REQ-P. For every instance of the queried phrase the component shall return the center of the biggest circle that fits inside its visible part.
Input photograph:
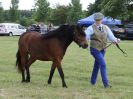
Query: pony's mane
(64, 31)
(61, 31)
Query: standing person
(37, 28)
(98, 34)
(50, 26)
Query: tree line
(121, 9)
(42, 12)
(60, 14)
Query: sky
(28, 4)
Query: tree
(25, 13)
(59, 14)
(6, 15)
(116, 8)
(121, 9)
(130, 12)
(26, 17)
(26, 21)
(75, 12)
(96, 7)
(14, 13)
(113, 8)
(42, 9)
(1, 13)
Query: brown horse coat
(48, 47)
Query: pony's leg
(23, 75)
(51, 73)
(23, 68)
(61, 75)
(30, 61)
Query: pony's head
(79, 36)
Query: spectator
(37, 28)
(50, 26)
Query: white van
(11, 29)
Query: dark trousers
(99, 64)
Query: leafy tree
(26, 17)
(25, 13)
(26, 21)
(6, 15)
(130, 12)
(59, 14)
(75, 11)
(14, 13)
(42, 9)
(96, 7)
(115, 8)
(1, 13)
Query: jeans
(99, 63)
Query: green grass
(77, 65)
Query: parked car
(11, 29)
(118, 32)
(129, 31)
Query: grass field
(77, 65)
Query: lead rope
(117, 45)
(108, 45)
(124, 53)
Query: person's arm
(111, 36)
(89, 32)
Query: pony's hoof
(23, 81)
(49, 82)
(27, 81)
(64, 86)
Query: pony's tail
(18, 61)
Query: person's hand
(117, 41)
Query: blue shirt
(89, 31)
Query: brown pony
(52, 46)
